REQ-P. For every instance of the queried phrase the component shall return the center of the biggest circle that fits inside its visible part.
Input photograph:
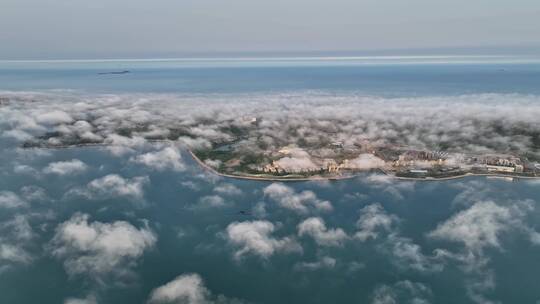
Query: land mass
(241, 149)
(399, 163)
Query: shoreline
(337, 178)
(301, 179)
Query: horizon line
(271, 58)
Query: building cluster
(503, 164)
(413, 157)
(328, 165)
(400, 160)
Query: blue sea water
(490, 257)
(378, 76)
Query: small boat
(114, 72)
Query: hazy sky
(149, 28)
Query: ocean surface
(115, 231)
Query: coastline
(336, 178)
(303, 179)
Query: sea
(84, 225)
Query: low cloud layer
(467, 123)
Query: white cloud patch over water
(100, 249)
(315, 227)
(405, 254)
(324, 262)
(91, 299)
(255, 237)
(113, 185)
(12, 253)
(227, 189)
(481, 226)
(375, 224)
(10, 200)
(69, 167)
(168, 158)
(211, 201)
(16, 236)
(25, 170)
(33, 193)
(187, 288)
(402, 292)
(389, 185)
(300, 202)
(373, 219)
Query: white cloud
(406, 254)
(255, 237)
(113, 185)
(402, 292)
(476, 227)
(287, 198)
(380, 179)
(373, 219)
(366, 162)
(73, 166)
(18, 229)
(54, 117)
(389, 184)
(227, 189)
(100, 249)
(316, 228)
(168, 158)
(325, 262)
(191, 185)
(296, 164)
(10, 200)
(259, 210)
(34, 193)
(211, 201)
(187, 288)
(91, 299)
(15, 235)
(13, 253)
(25, 169)
(18, 135)
(195, 143)
(310, 117)
(214, 163)
(120, 145)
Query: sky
(42, 29)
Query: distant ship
(114, 72)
